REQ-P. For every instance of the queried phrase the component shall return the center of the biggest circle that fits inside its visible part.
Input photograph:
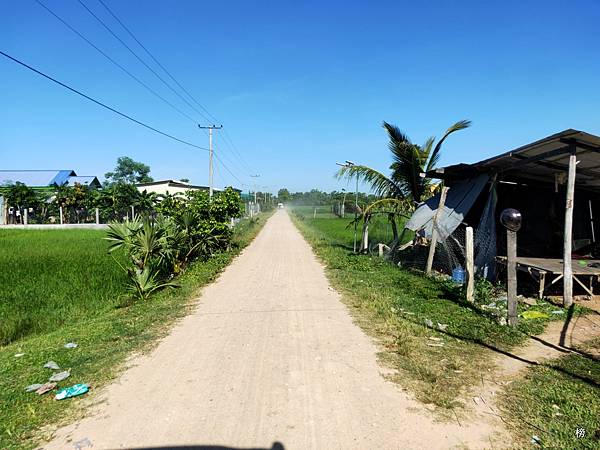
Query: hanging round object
(511, 219)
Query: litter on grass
(51, 365)
(72, 391)
(45, 388)
(534, 315)
(429, 323)
(70, 345)
(558, 311)
(33, 387)
(18, 355)
(442, 326)
(60, 376)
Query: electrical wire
(228, 141)
(54, 80)
(157, 62)
(140, 59)
(64, 22)
(227, 168)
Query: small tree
(129, 171)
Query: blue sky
(298, 85)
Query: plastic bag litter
(70, 345)
(60, 376)
(33, 387)
(72, 391)
(429, 323)
(534, 315)
(51, 365)
(442, 326)
(45, 388)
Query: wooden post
(511, 275)
(60, 210)
(381, 249)
(434, 230)
(97, 216)
(568, 235)
(470, 263)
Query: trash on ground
(558, 311)
(534, 315)
(51, 365)
(45, 388)
(429, 323)
(70, 345)
(60, 376)
(442, 326)
(18, 355)
(536, 440)
(72, 391)
(33, 387)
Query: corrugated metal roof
(541, 160)
(35, 178)
(84, 179)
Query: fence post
(434, 230)
(511, 270)
(315, 213)
(25, 216)
(60, 209)
(97, 216)
(470, 264)
(132, 212)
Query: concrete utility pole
(210, 129)
(255, 176)
(350, 164)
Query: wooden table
(538, 268)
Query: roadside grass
(437, 366)
(104, 341)
(53, 277)
(553, 400)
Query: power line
(156, 61)
(228, 141)
(115, 62)
(54, 80)
(227, 168)
(139, 58)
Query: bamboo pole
(434, 230)
(568, 235)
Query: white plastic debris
(558, 311)
(429, 323)
(442, 326)
(70, 345)
(18, 355)
(535, 439)
(33, 387)
(60, 376)
(51, 365)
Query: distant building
(173, 187)
(43, 179)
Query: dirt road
(269, 355)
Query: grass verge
(104, 341)
(438, 364)
(558, 402)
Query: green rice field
(53, 277)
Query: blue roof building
(47, 178)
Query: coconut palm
(405, 187)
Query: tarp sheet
(459, 200)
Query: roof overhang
(539, 161)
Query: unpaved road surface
(269, 355)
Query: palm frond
(380, 184)
(435, 156)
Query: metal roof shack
(554, 182)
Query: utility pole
(255, 176)
(210, 129)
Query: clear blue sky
(298, 84)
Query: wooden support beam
(568, 235)
(470, 263)
(511, 277)
(434, 233)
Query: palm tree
(404, 187)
